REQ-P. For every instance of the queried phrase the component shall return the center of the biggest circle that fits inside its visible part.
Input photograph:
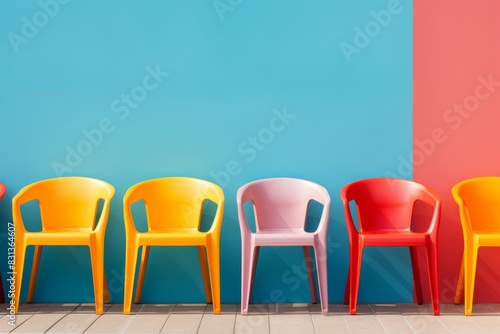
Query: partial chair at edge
(385, 207)
(479, 204)
(280, 206)
(68, 211)
(173, 213)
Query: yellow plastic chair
(479, 203)
(173, 212)
(68, 211)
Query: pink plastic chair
(280, 207)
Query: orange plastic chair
(68, 211)
(479, 204)
(280, 207)
(173, 212)
(384, 211)
(2, 296)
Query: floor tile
(110, 323)
(217, 324)
(459, 324)
(182, 323)
(422, 323)
(329, 324)
(489, 324)
(38, 323)
(394, 323)
(147, 323)
(361, 324)
(5, 327)
(74, 323)
(287, 318)
(254, 324)
(291, 323)
(258, 308)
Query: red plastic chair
(2, 296)
(384, 210)
(280, 207)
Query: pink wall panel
(457, 119)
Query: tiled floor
(262, 318)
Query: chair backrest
(281, 203)
(174, 202)
(480, 198)
(67, 202)
(386, 203)
(2, 190)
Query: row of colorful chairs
(383, 216)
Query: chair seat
(395, 238)
(172, 237)
(62, 237)
(283, 238)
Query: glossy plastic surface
(68, 211)
(280, 207)
(479, 204)
(173, 213)
(384, 210)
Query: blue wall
(228, 91)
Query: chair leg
(214, 269)
(97, 261)
(322, 269)
(142, 273)
(128, 285)
(205, 273)
(459, 292)
(354, 274)
(34, 272)
(254, 269)
(20, 251)
(247, 271)
(107, 295)
(470, 264)
(432, 263)
(310, 273)
(416, 274)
